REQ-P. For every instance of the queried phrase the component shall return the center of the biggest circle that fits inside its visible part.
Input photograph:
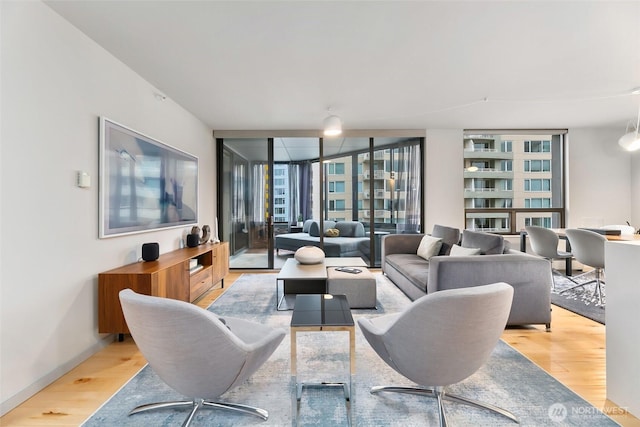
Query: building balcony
(487, 193)
(377, 155)
(378, 174)
(488, 154)
(488, 173)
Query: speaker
(193, 240)
(150, 251)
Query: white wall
(444, 179)
(599, 177)
(55, 84)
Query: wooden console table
(170, 276)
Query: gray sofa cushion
(450, 236)
(314, 228)
(412, 267)
(350, 228)
(489, 244)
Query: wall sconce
(630, 141)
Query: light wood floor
(574, 353)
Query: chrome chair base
(597, 292)
(440, 395)
(201, 403)
(561, 274)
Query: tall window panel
(513, 179)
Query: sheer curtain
(239, 215)
(410, 184)
(259, 203)
(294, 193)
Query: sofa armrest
(399, 244)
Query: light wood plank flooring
(574, 353)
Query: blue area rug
(508, 380)
(580, 300)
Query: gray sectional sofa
(530, 276)
(351, 241)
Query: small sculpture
(206, 234)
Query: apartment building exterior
(506, 173)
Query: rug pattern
(508, 380)
(580, 300)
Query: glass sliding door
(343, 187)
(394, 187)
(247, 202)
(294, 186)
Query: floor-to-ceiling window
(373, 180)
(513, 179)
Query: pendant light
(332, 125)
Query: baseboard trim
(17, 399)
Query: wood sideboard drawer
(201, 282)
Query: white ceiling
(269, 65)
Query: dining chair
(588, 248)
(544, 243)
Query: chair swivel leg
(440, 394)
(197, 404)
(597, 293)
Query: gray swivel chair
(544, 243)
(588, 248)
(195, 352)
(464, 326)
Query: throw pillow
(457, 250)
(429, 246)
(332, 232)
